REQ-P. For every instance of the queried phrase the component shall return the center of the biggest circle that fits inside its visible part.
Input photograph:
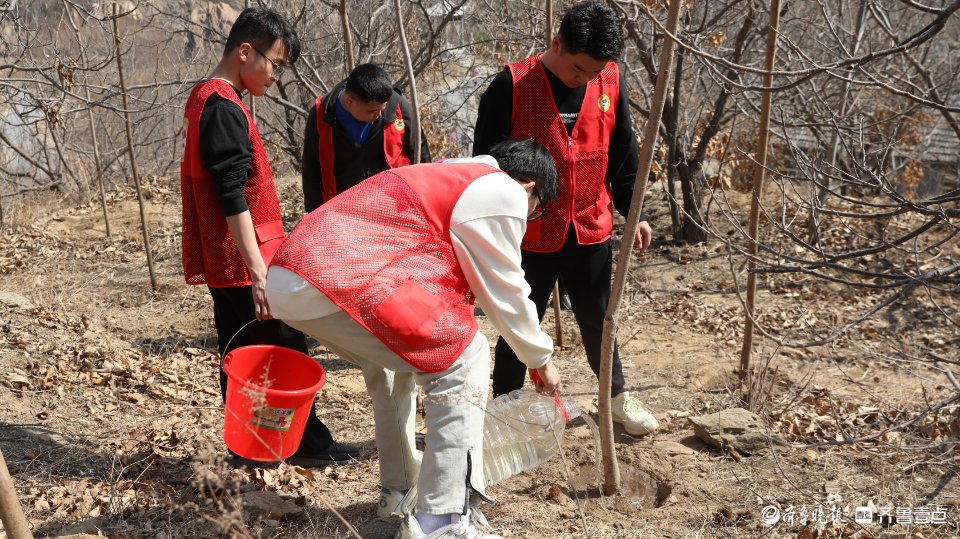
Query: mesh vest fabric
(392, 148)
(382, 252)
(581, 157)
(210, 256)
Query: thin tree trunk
(558, 324)
(548, 25)
(674, 156)
(96, 162)
(691, 177)
(691, 181)
(820, 193)
(758, 179)
(63, 159)
(611, 469)
(253, 98)
(347, 35)
(14, 523)
(133, 160)
(93, 129)
(414, 100)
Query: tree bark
(93, 129)
(133, 160)
(347, 36)
(758, 179)
(691, 185)
(549, 22)
(689, 226)
(611, 469)
(414, 100)
(819, 194)
(673, 125)
(557, 324)
(96, 163)
(14, 523)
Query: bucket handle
(227, 347)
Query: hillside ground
(111, 418)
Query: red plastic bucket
(270, 390)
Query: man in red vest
(358, 129)
(231, 216)
(386, 275)
(573, 100)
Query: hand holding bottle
(546, 378)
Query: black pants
(586, 271)
(232, 308)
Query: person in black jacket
(573, 99)
(360, 128)
(227, 186)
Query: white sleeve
(486, 228)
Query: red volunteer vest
(381, 250)
(392, 148)
(210, 255)
(581, 157)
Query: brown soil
(112, 418)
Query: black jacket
(353, 163)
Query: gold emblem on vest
(398, 124)
(604, 103)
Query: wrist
(258, 273)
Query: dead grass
(113, 418)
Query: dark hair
(526, 160)
(262, 27)
(593, 28)
(370, 82)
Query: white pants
(454, 402)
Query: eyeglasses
(277, 67)
(539, 210)
(536, 213)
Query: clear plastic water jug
(521, 430)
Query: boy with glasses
(394, 290)
(231, 216)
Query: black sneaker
(236, 461)
(335, 453)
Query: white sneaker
(389, 506)
(629, 412)
(464, 528)
(476, 517)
